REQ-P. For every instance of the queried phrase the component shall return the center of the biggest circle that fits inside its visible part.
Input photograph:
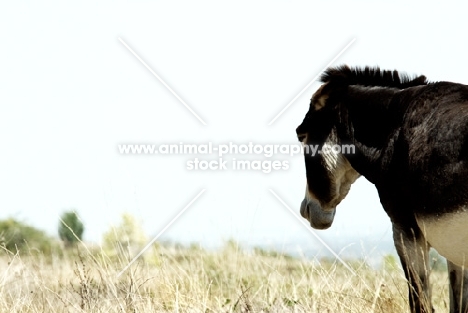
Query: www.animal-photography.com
(248, 156)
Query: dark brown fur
(411, 139)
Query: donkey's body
(411, 142)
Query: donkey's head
(329, 174)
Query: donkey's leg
(413, 251)
(458, 288)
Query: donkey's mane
(370, 76)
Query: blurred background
(71, 92)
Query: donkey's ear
(328, 95)
(319, 99)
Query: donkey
(410, 140)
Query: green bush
(125, 239)
(70, 228)
(18, 236)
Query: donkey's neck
(369, 120)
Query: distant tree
(18, 236)
(70, 228)
(128, 237)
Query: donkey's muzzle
(313, 212)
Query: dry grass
(174, 279)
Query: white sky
(70, 92)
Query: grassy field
(170, 278)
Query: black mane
(369, 76)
